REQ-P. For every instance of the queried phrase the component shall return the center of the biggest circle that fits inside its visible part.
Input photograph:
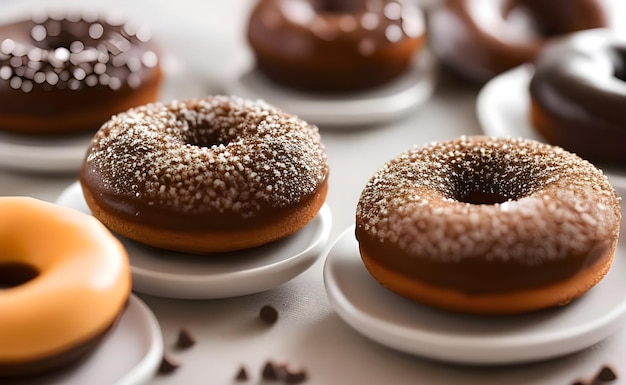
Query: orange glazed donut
(64, 281)
(330, 45)
(68, 74)
(205, 175)
(488, 226)
(479, 39)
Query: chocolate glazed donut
(578, 94)
(65, 74)
(478, 39)
(205, 175)
(325, 45)
(488, 225)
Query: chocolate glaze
(202, 164)
(488, 215)
(578, 96)
(474, 275)
(51, 65)
(136, 210)
(478, 46)
(326, 45)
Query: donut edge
(495, 304)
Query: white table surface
(208, 36)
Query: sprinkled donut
(52, 64)
(488, 226)
(330, 45)
(205, 175)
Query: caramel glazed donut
(479, 39)
(488, 226)
(64, 282)
(335, 46)
(205, 175)
(52, 64)
(577, 95)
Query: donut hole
(336, 6)
(619, 62)
(543, 18)
(478, 197)
(485, 183)
(56, 34)
(206, 135)
(13, 274)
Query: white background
(207, 38)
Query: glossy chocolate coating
(488, 215)
(579, 93)
(212, 163)
(63, 67)
(479, 39)
(326, 45)
(473, 275)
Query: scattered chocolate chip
(242, 375)
(606, 374)
(185, 339)
(294, 376)
(578, 383)
(268, 314)
(270, 371)
(168, 365)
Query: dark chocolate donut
(479, 39)
(70, 73)
(326, 45)
(578, 94)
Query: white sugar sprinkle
(554, 202)
(213, 154)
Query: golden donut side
(82, 286)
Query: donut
(334, 46)
(478, 39)
(490, 226)
(577, 97)
(64, 281)
(205, 175)
(52, 64)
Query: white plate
(401, 324)
(503, 106)
(65, 154)
(130, 354)
(176, 275)
(379, 105)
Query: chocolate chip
(606, 374)
(270, 371)
(578, 383)
(185, 339)
(268, 314)
(168, 365)
(294, 376)
(242, 375)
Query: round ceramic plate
(130, 354)
(379, 105)
(65, 154)
(503, 110)
(401, 324)
(176, 275)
